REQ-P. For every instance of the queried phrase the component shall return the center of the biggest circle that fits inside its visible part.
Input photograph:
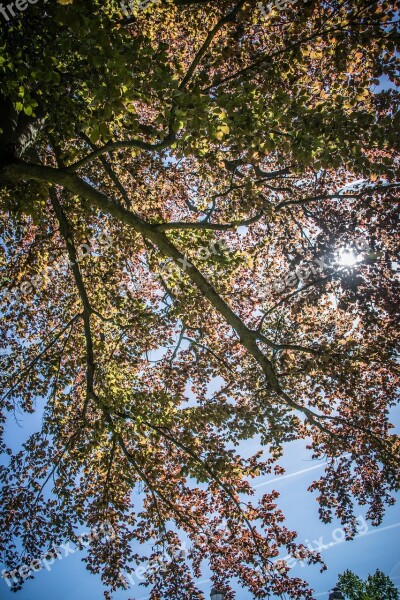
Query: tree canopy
(198, 217)
(377, 586)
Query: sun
(347, 258)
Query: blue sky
(373, 548)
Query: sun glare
(347, 259)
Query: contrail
(290, 475)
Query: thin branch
(144, 477)
(108, 170)
(107, 482)
(288, 296)
(39, 356)
(178, 345)
(284, 346)
(63, 451)
(207, 349)
(370, 190)
(113, 146)
(208, 41)
(269, 58)
(68, 337)
(205, 225)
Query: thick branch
(66, 233)
(76, 185)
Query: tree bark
(8, 133)
(18, 131)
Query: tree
(377, 587)
(173, 212)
